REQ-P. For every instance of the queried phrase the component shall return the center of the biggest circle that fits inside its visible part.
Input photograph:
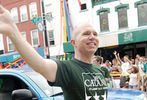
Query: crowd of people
(124, 72)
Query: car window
(10, 83)
(42, 83)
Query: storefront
(126, 43)
(135, 42)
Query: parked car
(26, 84)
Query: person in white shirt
(141, 66)
(125, 66)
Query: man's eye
(95, 34)
(86, 33)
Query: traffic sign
(35, 20)
(40, 26)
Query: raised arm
(47, 68)
(117, 57)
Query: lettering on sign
(128, 37)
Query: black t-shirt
(80, 80)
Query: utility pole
(45, 29)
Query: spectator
(125, 75)
(141, 71)
(132, 62)
(141, 65)
(116, 71)
(108, 65)
(134, 81)
(145, 83)
(117, 57)
(136, 62)
(99, 61)
(138, 56)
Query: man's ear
(72, 42)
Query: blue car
(26, 84)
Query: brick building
(23, 11)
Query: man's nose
(91, 36)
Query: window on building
(10, 45)
(24, 35)
(51, 37)
(14, 14)
(142, 14)
(23, 13)
(35, 38)
(104, 24)
(83, 4)
(49, 16)
(122, 17)
(48, 8)
(33, 10)
(49, 12)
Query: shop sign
(128, 37)
(135, 36)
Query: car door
(11, 80)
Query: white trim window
(35, 38)
(142, 14)
(14, 13)
(33, 10)
(24, 35)
(23, 13)
(51, 37)
(10, 45)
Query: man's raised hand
(7, 25)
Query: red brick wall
(23, 26)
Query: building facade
(55, 33)
(23, 12)
(121, 24)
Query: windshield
(42, 83)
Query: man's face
(87, 39)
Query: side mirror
(22, 94)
